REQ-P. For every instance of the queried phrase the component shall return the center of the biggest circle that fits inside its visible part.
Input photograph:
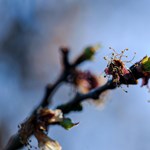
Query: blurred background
(31, 32)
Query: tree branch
(75, 103)
(68, 69)
(94, 94)
(14, 142)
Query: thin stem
(76, 101)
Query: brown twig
(75, 103)
(94, 94)
(14, 142)
(68, 69)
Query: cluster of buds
(118, 70)
(124, 75)
(84, 81)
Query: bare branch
(134, 74)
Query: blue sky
(124, 121)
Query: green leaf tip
(90, 51)
(146, 64)
(67, 123)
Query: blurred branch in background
(30, 32)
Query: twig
(94, 94)
(75, 103)
(68, 70)
(14, 142)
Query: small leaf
(146, 63)
(67, 123)
(90, 51)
